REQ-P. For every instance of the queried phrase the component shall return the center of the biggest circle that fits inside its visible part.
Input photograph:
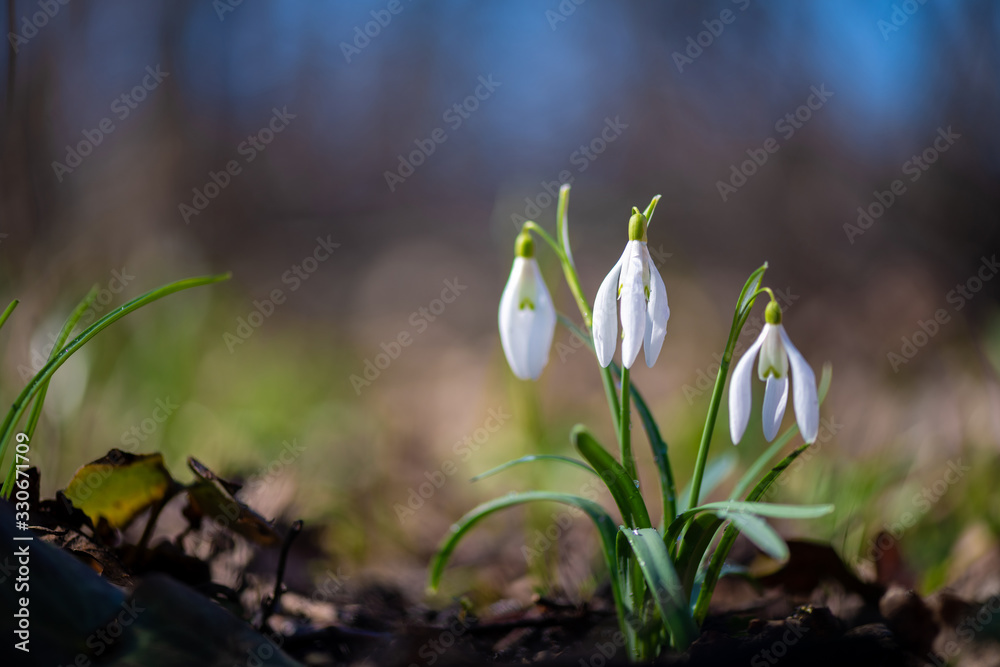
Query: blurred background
(362, 169)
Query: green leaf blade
(659, 573)
(619, 482)
(530, 458)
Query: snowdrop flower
(527, 317)
(777, 355)
(644, 310)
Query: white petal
(606, 315)
(512, 339)
(740, 394)
(775, 400)
(657, 314)
(633, 305)
(773, 360)
(542, 325)
(803, 391)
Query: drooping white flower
(527, 316)
(644, 310)
(777, 357)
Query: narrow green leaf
(7, 312)
(648, 213)
(691, 551)
(606, 529)
(772, 510)
(621, 485)
(533, 457)
(64, 333)
(754, 470)
(749, 289)
(760, 509)
(757, 531)
(654, 561)
(31, 390)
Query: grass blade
(46, 372)
(7, 312)
(606, 529)
(528, 459)
(71, 322)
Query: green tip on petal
(524, 246)
(772, 314)
(637, 226)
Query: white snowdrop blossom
(527, 316)
(777, 357)
(644, 311)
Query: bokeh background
(122, 118)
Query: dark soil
(813, 611)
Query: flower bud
(524, 246)
(637, 226)
(772, 314)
